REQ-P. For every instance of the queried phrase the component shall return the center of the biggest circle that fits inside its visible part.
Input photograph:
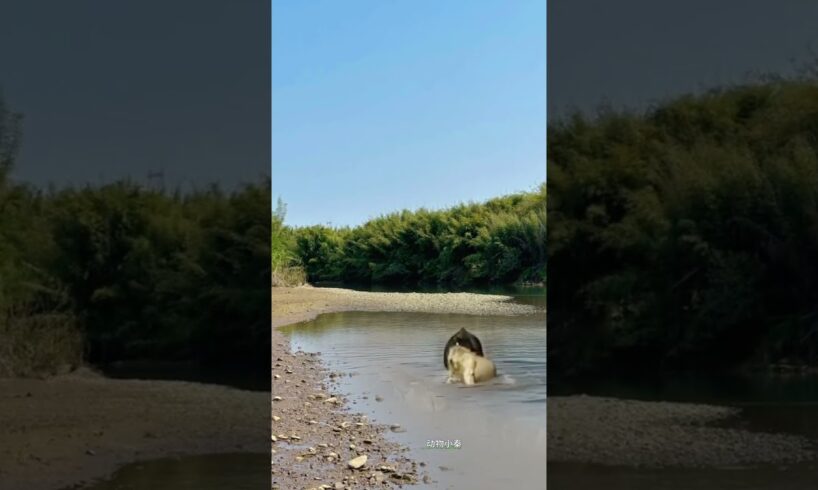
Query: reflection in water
(209, 472)
(399, 356)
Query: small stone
(397, 428)
(378, 398)
(378, 477)
(275, 439)
(386, 468)
(276, 418)
(322, 445)
(358, 462)
(276, 398)
(426, 479)
(283, 436)
(299, 458)
(331, 399)
(276, 376)
(90, 452)
(339, 486)
(312, 422)
(352, 446)
(295, 438)
(344, 425)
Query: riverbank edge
(647, 434)
(293, 305)
(74, 430)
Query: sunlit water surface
(399, 357)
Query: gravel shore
(291, 305)
(660, 434)
(328, 435)
(69, 430)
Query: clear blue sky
(379, 106)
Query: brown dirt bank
(615, 432)
(296, 304)
(69, 430)
(328, 434)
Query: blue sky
(379, 106)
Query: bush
(686, 236)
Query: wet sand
(329, 434)
(68, 430)
(609, 431)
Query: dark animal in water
(465, 339)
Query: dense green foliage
(139, 273)
(501, 241)
(686, 236)
(287, 270)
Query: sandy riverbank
(68, 430)
(330, 435)
(610, 431)
(291, 305)
(580, 428)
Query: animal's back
(484, 369)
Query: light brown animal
(468, 367)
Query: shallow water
(768, 403)
(208, 472)
(399, 356)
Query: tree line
(500, 241)
(119, 271)
(686, 236)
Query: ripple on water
(399, 356)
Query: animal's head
(456, 352)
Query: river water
(399, 357)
